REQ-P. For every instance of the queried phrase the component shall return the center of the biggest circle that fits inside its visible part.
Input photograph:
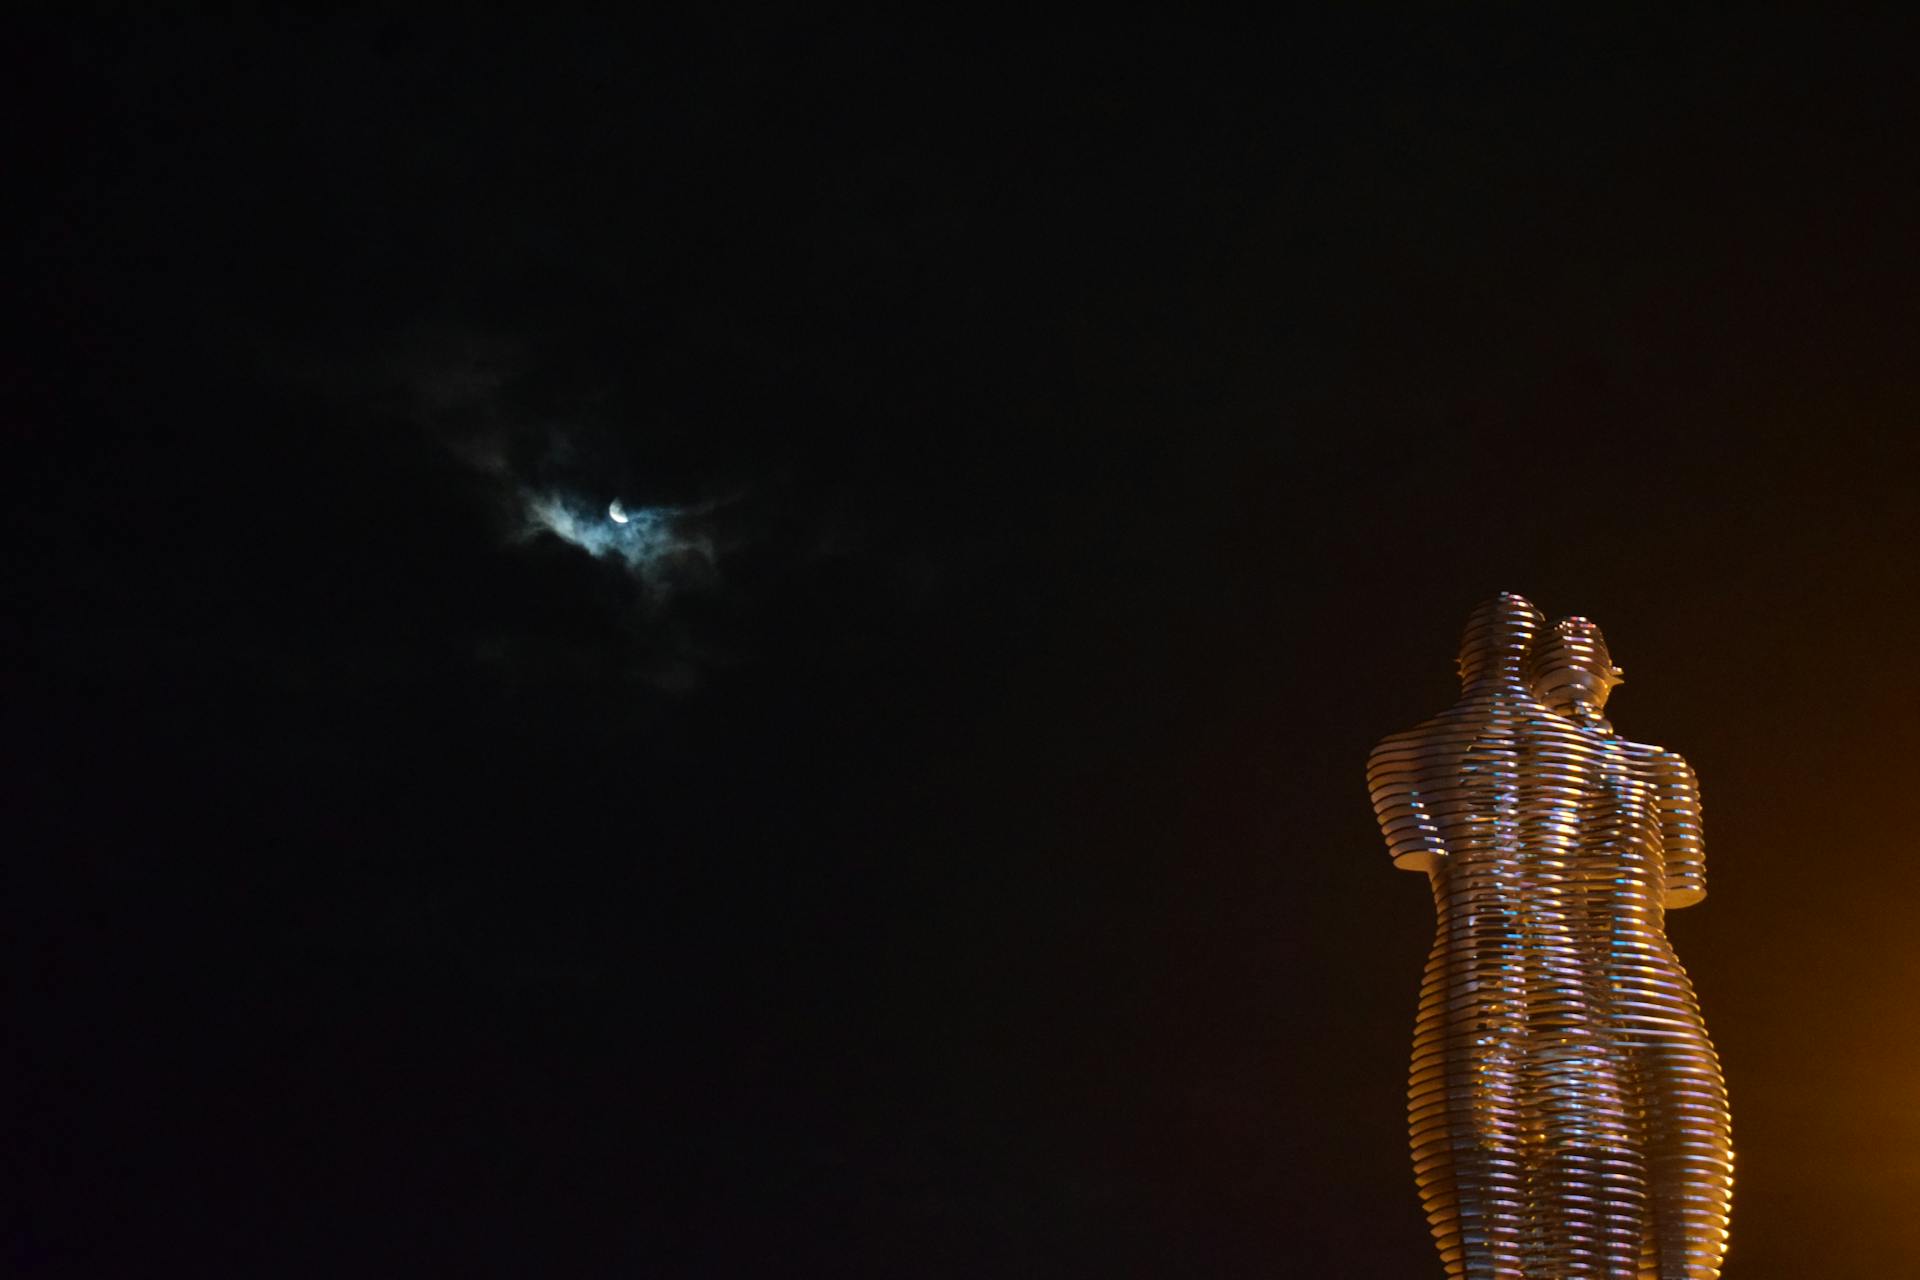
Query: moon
(618, 512)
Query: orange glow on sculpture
(1567, 1110)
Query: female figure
(1640, 855)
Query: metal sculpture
(1567, 1111)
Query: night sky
(930, 837)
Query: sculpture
(1567, 1112)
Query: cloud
(663, 546)
(618, 546)
(562, 461)
(655, 517)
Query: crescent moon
(618, 512)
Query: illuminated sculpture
(1567, 1110)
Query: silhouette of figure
(1536, 1137)
(1641, 855)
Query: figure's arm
(1677, 795)
(1406, 820)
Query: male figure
(1517, 1103)
(1641, 855)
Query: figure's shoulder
(1672, 767)
(1410, 739)
(1665, 769)
(1656, 757)
(1426, 740)
(1394, 743)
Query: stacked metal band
(1567, 1111)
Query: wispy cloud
(661, 545)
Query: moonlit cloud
(659, 544)
(555, 463)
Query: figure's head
(1498, 637)
(1571, 670)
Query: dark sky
(951, 856)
